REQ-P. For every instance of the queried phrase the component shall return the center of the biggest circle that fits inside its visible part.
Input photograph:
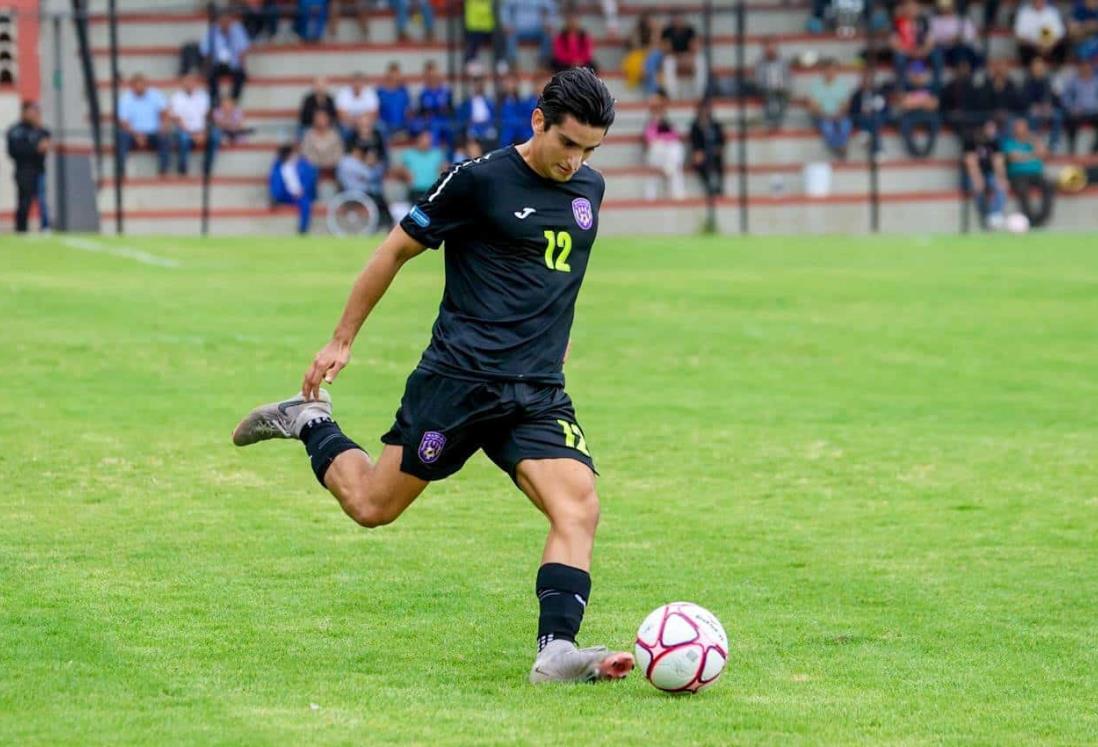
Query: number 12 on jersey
(561, 240)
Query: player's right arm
(371, 284)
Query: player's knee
(580, 513)
(366, 510)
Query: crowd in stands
(932, 74)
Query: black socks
(563, 592)
(324, 441)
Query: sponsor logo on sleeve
(421, 218)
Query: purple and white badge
(584, 214)
(430, 448)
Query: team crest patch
(584, 214)
(430, 448)
(421, 218)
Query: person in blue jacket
(293, 182)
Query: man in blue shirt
(515, 112)
(142, 124)
(394, 101)
(223, 46)
(436, 105)
(1025, 168)
(422, 166)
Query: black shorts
(442, 421)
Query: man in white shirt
(353, 101)
(1039, 31)
(189, 108)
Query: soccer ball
(681, 647)
(1017, 223)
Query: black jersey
(517, 247)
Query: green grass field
(874, 459)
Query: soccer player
(518, 224)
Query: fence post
(119, 163)
(707, 95)
(207, 149)
(741, 115)
(872, 164)
(61, 212)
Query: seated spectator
(292, 181)
(870, 108)
(1000, 95)
(707, 149)
(403, 9)
(985, 172)
(394, 101)
(962, 103)
(480, 28)
(1041, 104)
(817, 17)
(1039, 31)
(319, 99)
(515, 111)
(954, 38)
(664, 151)
(421, 165)
(1025, 169)
(362, 170)
(223, 46)
(477, 114)
(353, 101)
(468, 149)
(366, 135)
(774, 83)
(682, 55)
(143, 123)
(1080, 99)
(436, 105)
(643, 43)
(573, 46)
(528, 21)
(229, 120)
(322, 144)
(827, 100)
(910, 40)
(1083, 29)
(189, 108)
(260, 19)
(919, 111)
(311, 19)
(359, 9)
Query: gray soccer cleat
(283, 419)
(562, 661)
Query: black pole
(112, 13)
(741, 114)
(207, 148)
(965, 193)
(61, 212)
(707, 35)
(871, 152)
(87, 70)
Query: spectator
(954, 38)
(143, 124)
(515, 111)
(421, 165)
(353, 101)
(642, 44)
(260, 19)
(368, 136)
(28, 143)
(229, 120)
(1001, 96)
(910, 40)
(359, 9)
(311, 19)
(1025, 169)
(1083, 29)
(774, 83)
(436, 105)
(681, 55)
(1081, 104)
(1039, 31)
(827, 100)
(322, 144)
(394, 101)
(189, 107)
(363, 170)
(870, 109)
(403, 9)
(319, 99)
(610, 16)
(572, 46)
(468, 149)
(528, 21)
(478, 114)
(664, 150)
(985, 172)
(480, 28)
(292, 181)
(962, 102)
(707, 149)
(1041, 104)
(223, 47)
(919, 111)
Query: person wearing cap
(28, 143)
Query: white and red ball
(681, 647)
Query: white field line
(137, 255)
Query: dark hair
(579, 92)
(284, 152)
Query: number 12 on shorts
(573, 437)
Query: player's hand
(327, 364)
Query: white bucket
(817, 179)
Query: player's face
(565, 147)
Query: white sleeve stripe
(450, 176)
